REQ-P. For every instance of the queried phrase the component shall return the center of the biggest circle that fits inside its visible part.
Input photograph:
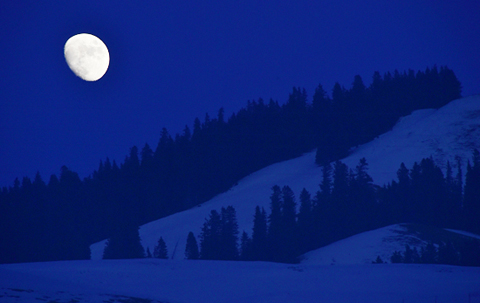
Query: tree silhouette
(191, 249)
(160, 250)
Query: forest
(59, 219)
(348, 203)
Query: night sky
(172, 61)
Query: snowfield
(154, 280)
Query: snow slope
(444, 133)
(220, 281)
(365, 247)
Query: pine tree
(124, 244)
(378, 260)
(472, 194)
(289, 248)
(305, 222)
(229, 234)
(429, 254)
(396, 257)
(326, 185)
(275, 224)
(362, 192)
(160, 250)
(210, 238)
(245, 247)
(408, 255)
(191, 249)
(447, 254)
(259, 235)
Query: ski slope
(453, 130)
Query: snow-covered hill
(444, 133)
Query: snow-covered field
(154, 280)
(444, 133)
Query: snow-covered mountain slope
(444, 133)
(453, 130)
(365, 247)
(154, 280)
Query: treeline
(466, 253)
(348, 203)
(360, 114)
(57, 220)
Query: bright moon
(87, 56)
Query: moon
(87, 56)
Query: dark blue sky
(172, 61)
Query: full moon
(87, 56)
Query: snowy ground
(153, 280)
(444, 133)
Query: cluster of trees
(346, 204)
(59, 219)
(127, 245)
(424, 194)
(468, 254)
(362, 113)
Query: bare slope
(444, 133)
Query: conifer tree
(275, 224)
(210, 238)
(160, 250)
(191, 249)
(289, 247)
(429, 254)
(229, 234)
(472, 194)
(396, 257)
(326, 185)
(259, 235)
(124, 244)
(305, 222)
(245, 247)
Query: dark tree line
(59, 219)
(362, 113)
(348, 203)
(466, 253)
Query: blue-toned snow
(247, 282)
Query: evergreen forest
(348, 203)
